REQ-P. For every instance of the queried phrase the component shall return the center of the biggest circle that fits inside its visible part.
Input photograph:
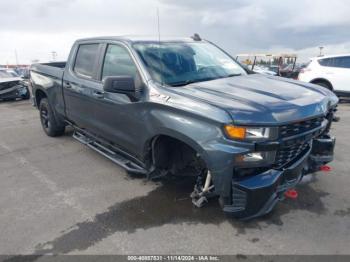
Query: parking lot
(58, 196)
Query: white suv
(332, 72)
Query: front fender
(205, 137)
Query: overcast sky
(34, 28)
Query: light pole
(54, 55)
(321, 49)
(16, 56)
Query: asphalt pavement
(57, 196)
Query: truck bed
(49, 77)
(54, 69)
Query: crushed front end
(13, 88)
(299, 148)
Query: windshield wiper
(191, 81)
(183, 83)
(231, 75)
(187, 82)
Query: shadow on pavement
(170, 204)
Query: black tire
(324, 84)
(51, 126)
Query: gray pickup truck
(185, 106)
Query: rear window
(85, 59)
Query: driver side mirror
(120, 84)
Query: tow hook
(325, 168)
(291, 193)
(201, 194)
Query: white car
(263, 70)
(332, 72)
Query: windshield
(181, 63)
(4, 74)
(12, 73)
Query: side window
(118, 62)
(343, 62)
(326, 62)
(84, 61)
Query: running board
(110, 154)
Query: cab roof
(135, 39)
(329, 56)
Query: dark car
(184, 106)
(12, 86)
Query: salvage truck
(186, 107)
(12, 86)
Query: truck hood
(258, 99)
(9, 79)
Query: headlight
(255, 159)
(257, 132)
(248, 133)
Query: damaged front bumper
(17, 91)
(254, 196)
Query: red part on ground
(325, 168)
(291, 193)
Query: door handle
(98, 94)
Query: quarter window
(118, 62)
(85, 60)
(343, 62)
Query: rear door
(80, 84)
(341, 81)
(337, 71)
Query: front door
(118, 117)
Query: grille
(239, 199)
(7, 85)
(287, 154)
(300, 127)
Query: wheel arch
(150, 145)
(321, 79)
(39, 94)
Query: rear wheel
(324, 84)
(51, 126)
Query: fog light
(253, 157)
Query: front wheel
(51, 126)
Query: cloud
(234, 17)
(312, 14)
(36, 27)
